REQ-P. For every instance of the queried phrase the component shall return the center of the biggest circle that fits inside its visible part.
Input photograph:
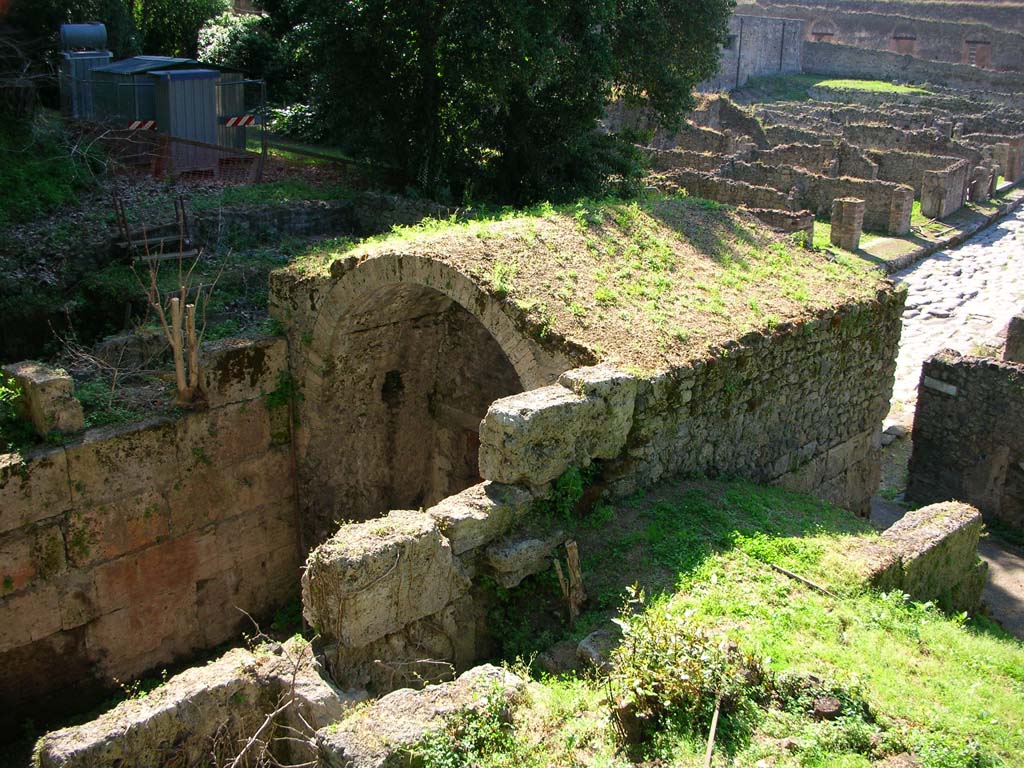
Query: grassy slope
(949, 690)
(681, 273)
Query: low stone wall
(788, 134)
(787, 222)
(361, 215)
(723, 190)
(682, 159)
(888, 206)
(969, 436)
(932, 554)
(128, 547)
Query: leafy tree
(501, 99)
(171, 27)
(242, 42)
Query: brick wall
(722, 190)
(969, 436)
(128, 548)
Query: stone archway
(822, 31)
(404, 358)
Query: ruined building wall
(888, 206)
(800, 405)
(969, 436)
(125, 549)
(847, 61)
(899, 29)
(757, 47)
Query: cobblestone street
(960, 299)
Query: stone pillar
(847, 222)
(981, 183)
(47, 397)
(1014, 350)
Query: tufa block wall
(125, 549)
(969, 436)
(400, 598)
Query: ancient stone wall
(800, 405)
(723, 190)
(127, 548)
(848, 61)
(969, 436)
(756, 47)
(682, 159)
(396, 375)
(910, 167)
(888, 206)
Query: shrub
(670, 673)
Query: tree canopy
(499, 100)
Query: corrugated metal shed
(76, 91)
(186, 107)
(124, 90)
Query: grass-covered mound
(718, 622)
(644, 284)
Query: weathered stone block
(47, 397)
(932, 554)
(1013, 352)
(515, 558)
(234, 370)
(32, 488)
(379, 736)
(28, 616)
(371, 579)
(480, 514)
(34, 554)
(112, 463)
(223, 436)
(534, 437)
(106, 530)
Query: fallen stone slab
(515, 558)
(47, 397)
(480, 514)
(383, 734)
(207, 711)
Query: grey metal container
(89, 36)
(76, 82)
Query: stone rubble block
(931, 553)
(233, 370)
(480, 514)
(371, 579)
(382, 734)
(33, 487)
(513, 559)
(617, 390)
(47, 397)
(532, 438)
(206, 712)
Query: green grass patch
(872, 86)
(687, 573)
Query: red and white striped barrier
(240, 122)
(142, 125)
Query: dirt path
(959, 299)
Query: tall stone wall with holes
(969, 436)
(129, 547)
(399, 598)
